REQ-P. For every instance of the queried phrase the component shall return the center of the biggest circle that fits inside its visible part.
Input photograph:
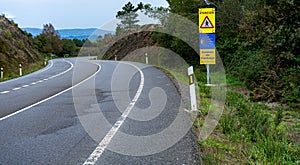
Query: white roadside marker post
(1, 73)
(146, 54)
(115, 57)
(192, 88)
(20, 67)
(45, 62)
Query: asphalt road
(94, 112)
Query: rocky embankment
(129, 41)
(16, 47)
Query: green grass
(249, 132)
(233, 81)
(26, 70)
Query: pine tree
(128, 16)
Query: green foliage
(128, 16)
(68, 47)
(21, 44)
(129, 13)
(78, 43)
(178, 46)
(262, 128)
(249, 133)
(16, 47)
(233, 81)
(3, 46)
(275, 30)
(258, 42)
(8, 34)
(49, 41)
(188, 8)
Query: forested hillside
(19, 47)
(16, 47)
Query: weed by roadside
(251, 133)
(26, 70)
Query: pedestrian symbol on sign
(206, 23)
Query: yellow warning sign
(207, 56)
(207, 20)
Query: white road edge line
(40, 71)
(40, 81)
(5, 92)
(108, 137)
(51, 97)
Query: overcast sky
(64, 14)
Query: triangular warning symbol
(206, 23)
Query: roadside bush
(260, 127)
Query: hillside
(130, 41)
(16, 47)
(91, 33)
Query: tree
(68, 47)
(78, 43)
(258, 42)
(128, 16)
(158, 13)
(274, 29)
(49, 41)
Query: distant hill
(16, 47)
(90, 33)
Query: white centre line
(37, 72)
(5, 92)
(108, 137)
(53, 96)
(16, 88)
(40, 81)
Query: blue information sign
(207, 41)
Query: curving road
(76, 111)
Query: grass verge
(249, 132)
(26, 70)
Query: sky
(66, 14)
